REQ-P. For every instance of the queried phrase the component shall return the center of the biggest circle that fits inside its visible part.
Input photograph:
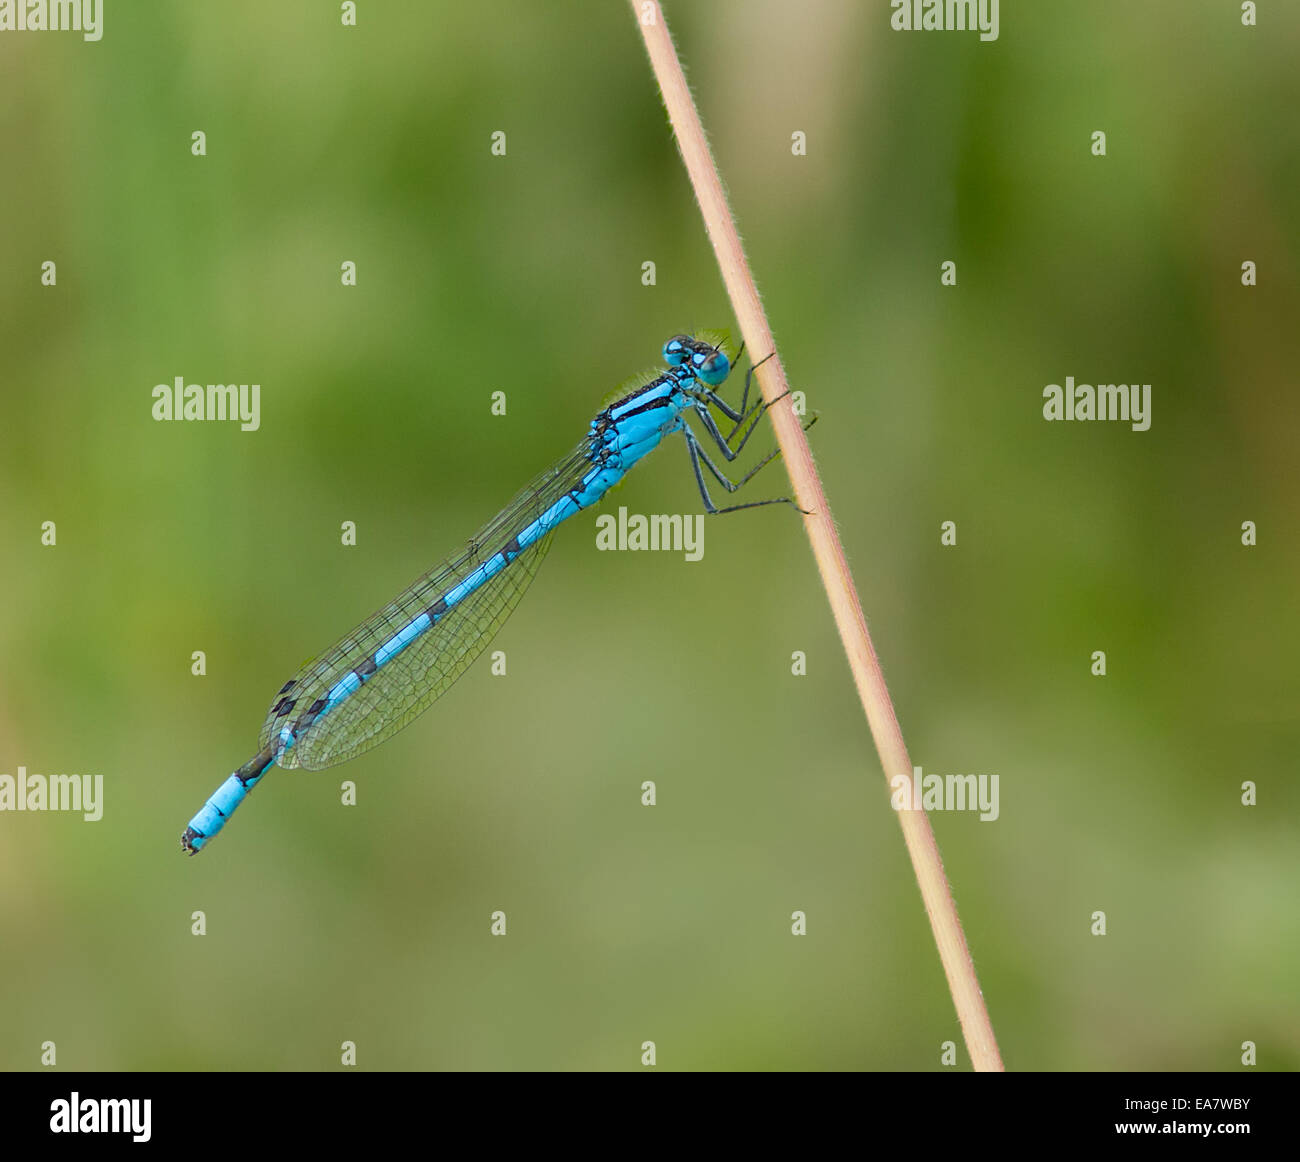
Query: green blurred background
(523, 274)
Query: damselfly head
(707, 360)
(678, 349)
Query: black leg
(723, 442)
(745, 415)
(711, 426)
(698, 454)
(749, 375)
(738, 417)
(766, 460)
(721, 404)
(754, 414)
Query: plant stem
(826, 547)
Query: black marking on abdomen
(316, 707)
(284, 705)
(436, 610)
(368, 667)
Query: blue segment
(214, 813)
(659, 389)
(451, 614)
(399, 641)
(212, 818)
(336, 695)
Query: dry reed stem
(826, 547)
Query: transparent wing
(407, 685)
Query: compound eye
(676, 350)
(714, 368)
